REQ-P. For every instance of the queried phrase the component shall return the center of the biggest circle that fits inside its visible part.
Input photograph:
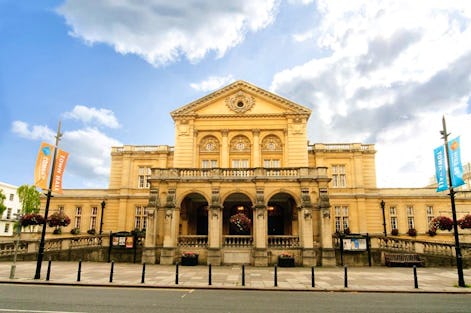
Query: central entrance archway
(237, 215)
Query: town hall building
(242, 185)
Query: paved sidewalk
(359, 279)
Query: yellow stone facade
(245, 150)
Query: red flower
(465, 222)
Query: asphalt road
(68, 299)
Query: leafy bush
(412, 232)
(394, 232)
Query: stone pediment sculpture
(240, 99)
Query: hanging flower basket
(31, 219)
(440, 223)
(58, 219)
(240, 223)
(465, 222)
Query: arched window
(240, 148)
(209, 152)
(272, 151)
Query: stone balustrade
(193, 241)
(283, 241)
(239, 173)
(237, 241)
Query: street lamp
(103, 204)
(384, 218)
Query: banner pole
(40, 256)
(459, 258)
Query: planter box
(190, 261)
(285, 262)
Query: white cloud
(40, 132)
(393, 68)
(88, 115)
(212, 83)
(90, 155)
(89, 149)
(161, 31)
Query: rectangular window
(410, 216)
(209, 163)
(429, 213)
(143, 177)
(12, 196)
(140, 218)
(243, 163)
(9, 210)
(78, 217)
(270, 163)
(339, 178)
(393, 217)
(7, 228)
(93, 214)
(341, 218)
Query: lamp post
(103, 204)
(459, 257)
(384, 218)
(39, 260)
(17, 243)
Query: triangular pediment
(240, 99)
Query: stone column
(305, 230)
(214, 229)
(169, 242)
(224, 149)
(149, 251)
(256, 148)
(328, 252)
(260, 230)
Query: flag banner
(456, 169)
(440, 168)
(59, 167)
(43, 165)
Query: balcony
(200, 174)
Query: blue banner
(440, 168)
(456, 169)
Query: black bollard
(243, 274)
(345, 283)
(416, 282)
(176, 273)
(313, 281)
(79, 272)
(111, 271)
(143, 276)
(276, 276)
(209, 274)
(48, 275)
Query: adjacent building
(242, 184)
(13, 207)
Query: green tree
(29, 198)
(2, 204)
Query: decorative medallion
(240, 144)
(209, 144)
(271, 143)
(240, 102)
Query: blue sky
(382, 72)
